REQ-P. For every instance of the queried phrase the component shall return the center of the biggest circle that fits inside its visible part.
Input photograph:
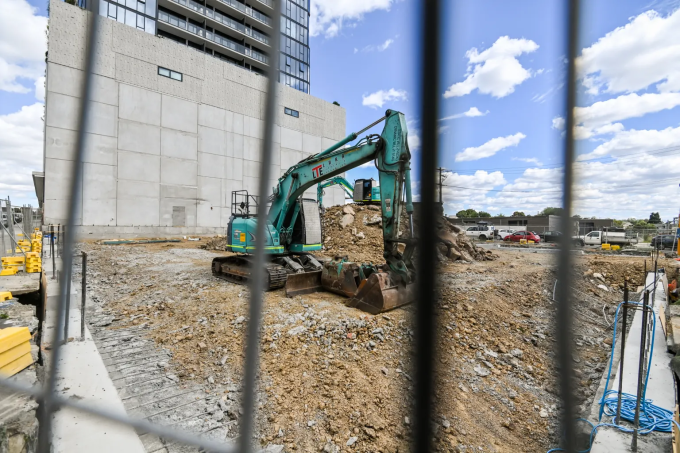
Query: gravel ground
(335, 379)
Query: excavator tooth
(303, 283)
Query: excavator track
(237, 269)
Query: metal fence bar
(83, 296)
(564, 315)
(426, 277)
(48, 405)
(256, 290)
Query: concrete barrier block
(178, 171)
(138, 166)
(183, 145)
(139, 137)
(138, 104)
(179, 114)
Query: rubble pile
(356, 231)
(218, 242)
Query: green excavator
(365, 191)
(293, 230)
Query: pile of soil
(218, 242)
(356, 231)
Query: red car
(518, 235)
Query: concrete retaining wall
(163, 156)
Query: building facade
(538, 223)
(172, 131)
(238, 32)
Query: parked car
(519, 235)
(551, 236)
(663, 241)
(481, 232)
(502, 233)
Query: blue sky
(502, 96)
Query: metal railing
(426, 329)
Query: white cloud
(496, 70)
(327, 17)
(599, 118)
(630, 58)
(489, 148)
(378, 48)
(40, 89)
(379, 98)
(471, 113)
(22, 45)
(636, 141)
(529, 160)
(21, 144)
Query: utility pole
(440, 184)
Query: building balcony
(200, 13)
(236, 47)
(180, 24)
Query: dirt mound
(356, 231)
(218, 242)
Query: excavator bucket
(379, 293)
(340, 277)
(303, 283)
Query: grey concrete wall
(156, 145)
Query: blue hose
(652, 418)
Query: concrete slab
(83, 376)
(20, 283)
(660, 387)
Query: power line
(550, 191)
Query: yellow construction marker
(5, 295)
(9, 271)
(616, 247)
(606, 246)
(19, 364)
(11, 337)
(15, 353)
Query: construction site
(200, 275)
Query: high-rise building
(172, 132)
(235, 31)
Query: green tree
(483, 214)
(551, 211)
(618, 223)
(467, 213)
(518, 214)
(336, 103)
(500, 215)
(654, 217)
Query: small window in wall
(170, 74)
(291, 112)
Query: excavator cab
(366, 191)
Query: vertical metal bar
(67, 308)
(643, 341)
(564, 316)
(48, 405)
(426, 277)
(622, 340)
(54, 264)
(83, 290)
(258, 277)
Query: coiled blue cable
(652, 418)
